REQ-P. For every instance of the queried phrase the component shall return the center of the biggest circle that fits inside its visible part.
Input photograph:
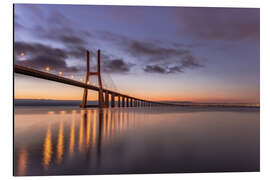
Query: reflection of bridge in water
(103, 94)
(83, 137)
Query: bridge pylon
(101, 103)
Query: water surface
(70, 140)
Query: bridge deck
(52, 77)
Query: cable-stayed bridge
(104, 101)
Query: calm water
(68, 140)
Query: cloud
(56, 27)
(65, 35)
(154, 69)
(219, 23)
(187, 62)
(175, 69)
(33, 9)
(142, 53)
(173, 58)
(58, 19)
(116, 66)
(71, 40)
(152, 51)
(37, 49)
(39, 56)
(146, 51)
(40, 62)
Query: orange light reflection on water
(60, 143)
(72, 138)
(88, 127)
(22, 162)
(81, 132)
(89, 121)
(47, 149)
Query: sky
(156, 53)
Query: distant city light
(50, 112)
(81, 80)
(62, 112)
(73, 111)
(60, 73)
(47, 69)
(22, 54)
(72, 77)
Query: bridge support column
(112, 100)
(100, 99)
(84, 100)
(123, 101)
(127, 102)
(88, 73)
(119, 102)
(131, 102)
(106, 99)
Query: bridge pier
(112, 100)
(100, 99)
(131, 102)
(106, 99)
(127, 102)
(123, 101)
(119, 102)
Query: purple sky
(165, 53)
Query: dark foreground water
(68, 140)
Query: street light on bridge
(47, 69)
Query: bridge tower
(88, 74)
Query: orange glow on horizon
(41, 89)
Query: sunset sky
(158, 53)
